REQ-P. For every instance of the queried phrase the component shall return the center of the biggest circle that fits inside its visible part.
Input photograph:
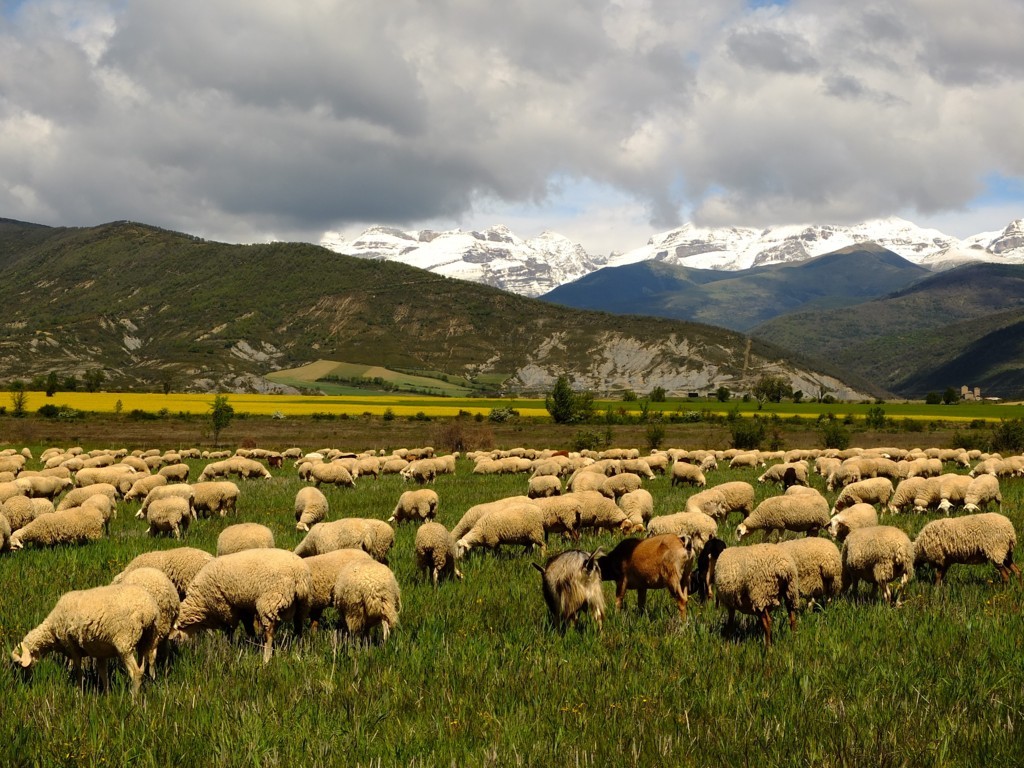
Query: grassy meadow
(475, 676)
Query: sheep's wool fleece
(747, 579)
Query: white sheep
(687, 474)
(215, 497)
(638, 506)
(176, 473)
(721, 500)
(878, 554)
(43, 487)
(418, 505)
(372, 536)
(624, 482)
(165, 594)
(585, 481)
(5, 534)
(850, 519)
(598, 511)
(982, 491)
(172, 490)
(543, 486)
(272, 585)
(19, 511)
(509, 524)
(78, 525)
(366, 595)
(746, 460)
(421, 471)
(803, 513)
(791, 473)
(942, 493)
(311, 507)
(971, 539)
(474, 513)
(562, 514)
(332, 473)
(435, 552)
(180, 565)
(243, 536)
(140, 488)
(819, 566)
(699, 526)
(323, 575)
(876, 490)
(170, 515)
(905, 493)
(103, 622)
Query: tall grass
(475, 676)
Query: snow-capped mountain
(533, 267)
(494, 256)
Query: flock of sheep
(172, 595)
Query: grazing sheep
(722, 500)
(311, 507)
(571, 582)
(19, 511)
(802, 512)
(586, 481)
(165, 594)
(942, 493)
(215, 497)
(393, 466)
(435, 552)
(78, 525)
(625, 482)
(660, 562)
(752, 580)
(544, 486)
(697, 525)
(323, 575)
(474, 513)
(366, 595)
(905, 493)
(175, 473)
(180, 565)
(9, 490)
(638, 506)
(878, 554)
(169, 515)
(967, 540)
(43, 487)
(270, 585)
(243, 536)
(819, 566)
(5, 534)
(562, 514)
(640, 467)
(793, 473)
(418, 505)
(687, 474)
(103, 622)
(172, 490)
(510, 524)
(140, 488)
(598, 511)
(422, 471)
(375, 537)
(850, 519)
(876, 490)
(111, 475)
(746, 460)
(332, 473)
(982, 491)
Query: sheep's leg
(435, 574)
(133, 669)
(104, 672)
(730, 622)
(939, 573)
(766, 622)
(76, 669)
(268, 641)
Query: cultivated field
(475, 676)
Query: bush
(567, 406)
(834, 435)
(502, 415)
(48, 411)
(658, 395)
(1008, 436)
(875, 418)
(747, 434)
(655, 434)
(137, 414)
(388, 415)
(588, 440)
(629, 396)
(932, 398)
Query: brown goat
(660, 562)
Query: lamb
(215, 497)
(435, 552)
(418, 505)
(243, 536)
(103, 622)
(878, 554)
(366, 595)
(850, 519)
(165, 594)
(721, 500)
(661, 562)
(571, 582)
(543, 486)
(905, 494)
(968, 540)
(877, 490)
(942, 492)
(800, 513)
(272, 585)
(375, 537)
(311, 507)
(509, 524)
(615, 486)
(140, 488)
(752, 580)
(982, 491)
(78, 525)
(177, 473)
(323, 574)
(819, 566)
(794, 473)
(638, 506)
(687, 474)
(332, 473)
(180, 565)
(169, 515)
(701, 528)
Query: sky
(605, 121)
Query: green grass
(474, 676)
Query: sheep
(544, 485)
(169, 515)
(435, 552)
(270, 585)
(111, 475)
(878, 554)
(660, 562)
(242, 536)
(800, 513)
(5, 534)
(625, 482)
(102, 622)
(752, 580)
(787, 474)
(323, 574)
(516, 523)
(311, 507)
(746, 460)
(942, 493)
(418, 505)
(165, 594)
(172, 490)
(246, 468)
(474, 513)
(638, 506)
(332, 473)
(968, 540)
(639, 467)
(697, 525)
(905, 493)
(721, 500)
(687, 474)
(586, 481)
(180, 565)
(982, 491)
(819, 566)
(43, 487)
(366, 595)
(857, 516)
(421, 471)
(876, 490)
(393, 466)
(19, 511)
(177, 473)
(562, 514)
(141, 487)
(598, 511)
(78, 525)
(215, 497)
(571, 583)
(374, 537)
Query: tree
(875, 418)
(19, 399)
(52, 382)
(71, 383)
(772, 388)
(658, 395)
(950, 396)
(933, 398)
(221, 414)
(94, 379)
(567, 406)
(722, 394)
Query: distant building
(970, 394)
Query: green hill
(151, 306)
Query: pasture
(474, 675)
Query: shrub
(834, 435)
(1008, 436)
(722, 394)
(747, 434)
(629, 396)
(588, 440)
(655, 434)
(932, 398)
(658, 395)
(567, 406)
(875, 418)
(389, 415)
(502, 415)
(48, 411)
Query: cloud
(235, 119)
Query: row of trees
(51, 383)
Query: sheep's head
(16, 543)
(22, 657)
(945, 506)
(461, 548)
(972, 508)
(741, 531)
